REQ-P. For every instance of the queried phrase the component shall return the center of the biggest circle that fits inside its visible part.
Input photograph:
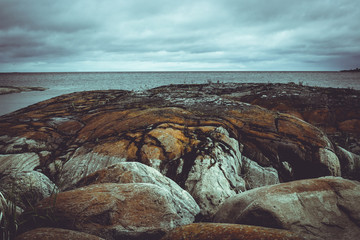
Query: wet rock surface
(212, 140)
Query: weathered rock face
(10, 163)
(215, 174)
(81, 164)
(324, 208)
(215, 231)
(335, 111)
(112, 211)
(55, 233)
(27, 188)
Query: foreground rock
(134, 172)
(27, 188)
(215, 231)
(324, 208)
(112, 211)
(55, 233)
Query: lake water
(62, 83)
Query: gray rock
(10, 163)
(83, 163)
(215, 174)
(329, 159)
(350, 163)
(20, 145)
(27, 188)
(257, 176)
(323, 208)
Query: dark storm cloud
(89, 35)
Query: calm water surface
(62, 83)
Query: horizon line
(170, 71)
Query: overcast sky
(166, 35)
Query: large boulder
(82, 163)
(112, 211)
(55, 233)
(216, 231)
(135, 172)
(323, 208)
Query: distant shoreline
(11, 89)
(351, 70)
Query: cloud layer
(159, 35)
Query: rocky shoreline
(140, 165)
(12, 89)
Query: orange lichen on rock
(118, 149)
(350, 126)
(311, 185)
(102, 125)
(69, 127)
(216, 231)
(56, 233)
(131, 151)
(83, 204)
(42, 135)
(318, 116)
(151, 152)
(254, 116)
(172, 141)
(124, 121)
(302, 131)
(109, 210)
